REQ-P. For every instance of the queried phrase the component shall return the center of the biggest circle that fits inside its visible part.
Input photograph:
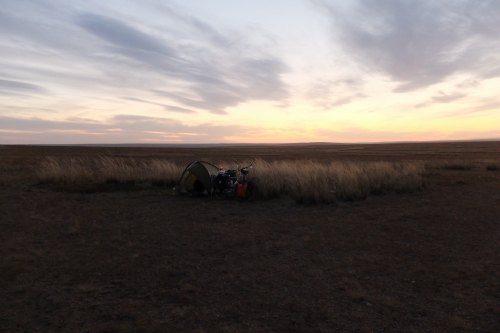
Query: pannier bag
(231, 173)
(242, 190)
(220, 180)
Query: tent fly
(196, 178)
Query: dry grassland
(108, 170)
(304, 181)
(408, 241)
(313, 182)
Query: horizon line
(241, 144)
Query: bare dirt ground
(143, 260)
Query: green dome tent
(196, 178)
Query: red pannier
(242, 190)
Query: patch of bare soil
(143, 260)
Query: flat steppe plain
(140, 259)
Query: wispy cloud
(328, 94)
(356, 134)
(122, 35)
(366, 135)
(445, 98)
(441, 97)
(119, 129)
(188, 59)
(484, 105)
(19, 86)
(217, 76)
(167, 107)
(418, 43)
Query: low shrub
(449, 165)
(493, 166)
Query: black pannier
(231, 173)
(220, 180)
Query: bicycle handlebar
(245, 167)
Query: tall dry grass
(314, 182)
(109, 170)
(304, 181)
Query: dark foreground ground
(143, 260)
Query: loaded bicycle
(233, 183)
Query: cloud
(120, 34)
(213, 107)
(106, 50)
(347, 100)
(469, 83)
(444, 98)
(215, 72)
(365, 135)
(16, 86)
(418, 43)
(422, 105)
(19, 89)
(441, 98)
(118, 129)
(484, 105)
(165, 106)
(329, 94)
(492, 73)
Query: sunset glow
(220, 71)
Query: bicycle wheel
(250, 193)
(220, 193)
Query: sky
(234, 71)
